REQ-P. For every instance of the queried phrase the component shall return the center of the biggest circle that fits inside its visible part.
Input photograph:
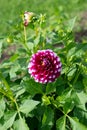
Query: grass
(11, 10)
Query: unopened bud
(28, 18)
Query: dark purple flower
(44, 66)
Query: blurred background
(11, 10)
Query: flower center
(45, 62)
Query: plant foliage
(27, 105)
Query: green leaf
(60, 123)
(78, 86)
(50, 88)
(81, 115)
(64, 97)
(13, 70)
(47, 120)
(68, 106)
(22, 62)
(71, 24)
(9, 120)
(75, 97)
(55, 86)
(83, 68)
(20, 125)
(46, 100)
(2, 107)
(37, 40)
(1, 127)
(28, 106)
(60, 85)
(14, 57)
(76, 125)
(31, 45)
(71, 72)
(77, 51)
(19, 92)
(32, 87)
(82, 100)
(67, 100)
(85, 83)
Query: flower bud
(28, 18)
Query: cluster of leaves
(27, 105)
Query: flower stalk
(5, 83)
(25, 40)
(8, 93)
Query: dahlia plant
(43, 82)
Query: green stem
(44, 88)
(25, 35)
(76, 77)
(25, 40)
(12, 99)
(17, 109)
(4, 93)
(10, 96)
(5, 83)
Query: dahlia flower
(28, 17)
(44, 66)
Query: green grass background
(10, 10)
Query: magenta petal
(44, 66)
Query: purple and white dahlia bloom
(44, 66)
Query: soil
(7, 52)
(79, 36)
(82, 25)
